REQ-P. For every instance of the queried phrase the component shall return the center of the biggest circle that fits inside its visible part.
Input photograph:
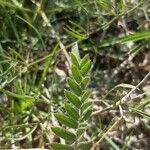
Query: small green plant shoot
(77, 106)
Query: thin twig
(95, 113)
(120, 119)
(132, 90)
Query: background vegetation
(35, 40)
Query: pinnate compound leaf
(72, 112)
(66, 120)
(63, 133)
(85, 145)
(57, 146)
(74, 60)
(78, 102)
(76, 74)
(86, 68)
(73, 98)
(74, 86)
(84, 60)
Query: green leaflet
(87, 113)
(85, 145)
(66, 120)
(74, 86)
(84, 60)
(72, 112)
(75, 51)
(63, 133)
(85, 82)
(85, 105)
(80, 131)
(75, 60)
(76, 74)
(85, 95)
(86, 68)
(57, 146)
(73, 98)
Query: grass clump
(106, 107)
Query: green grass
(35, 43)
